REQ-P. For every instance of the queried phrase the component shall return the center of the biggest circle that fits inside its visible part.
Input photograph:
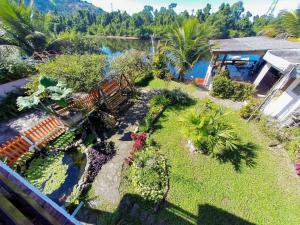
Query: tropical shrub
(49, 90)
(159, 100)
(12, 67)
(82, 73)
(247, 110)
(160, 69)
(209, 131)
(242, 91)
(176, 96)
(149, 174)
(224, 87)
(133, 63)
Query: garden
(125, 141)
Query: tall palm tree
(291, 21)
(185, 45)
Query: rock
(191, 146)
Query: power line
(272, 8)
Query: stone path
(201, 93)
(107, 182)
(21, 123)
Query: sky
(256, 7)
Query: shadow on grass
(134, 210)
(245, 154)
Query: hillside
(64, 6)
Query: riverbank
(117, 37)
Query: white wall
(282, 106)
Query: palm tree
(18, 22)
(291, 21)
(185, 45)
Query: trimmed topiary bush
(224, 87)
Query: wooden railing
(36, 137)
(51, 127)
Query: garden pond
(57, 174)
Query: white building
(280, 77)
(275, 71)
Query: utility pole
(272, 8)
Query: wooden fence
(51, 127)
(38, 136)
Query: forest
(228, 21)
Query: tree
(133, 64)
(185, 45)
(82, 73)
(291, 21)
(23, 26)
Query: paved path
(201, 93)
(12, 86)
(21, 123)
(107, 182)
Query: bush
(209, 131)
(159, 100)
(292, 141)
(139, 141)
(149, 174)
(160, 69)
(242, 91)
(82, 73)
(177, 96)
(133, 63)
(247, 110)
(224, 87)
(13, 68)
(9, 106)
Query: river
(115, 47)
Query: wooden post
(222, 63)
(129, 84)
(210, 69)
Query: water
(75, 162)
(115, 47)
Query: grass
(266, 193)
(205, 190)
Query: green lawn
(258, 188)
(211, 192)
